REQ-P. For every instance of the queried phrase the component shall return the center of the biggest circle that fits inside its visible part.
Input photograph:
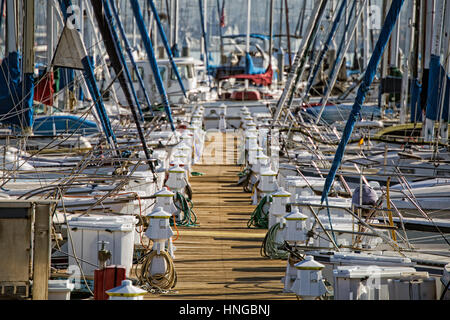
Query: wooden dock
(220, 259)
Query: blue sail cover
(250, 67)
(416, 110)
(436, 85)
(369, 75)
(15, 108)
(445, 111)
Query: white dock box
(59, 289)
(88, 232)
(365, 282)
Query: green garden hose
(259, 217)
(186, 206)
(270, 248)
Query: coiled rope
(259, 217)
(159, 281)
(186, 206)
(270, 248)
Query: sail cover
(43, 90)
(250, 67)
(264, 79)
(16, 94)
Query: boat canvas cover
(43, 91)
(264, 79)
(16, 94)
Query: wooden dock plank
(220, 259)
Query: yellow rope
(161, 281)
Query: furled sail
(16, 94)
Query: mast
(105, 69)
(81, 61)
(167, 46)
(288, 33)
(281, 25)
(434, 85)
(203, 4)
(394, 46)
(119, 62)
(321, 56)
(271, 31)
(366, 39)
(204, 43)
(11, 32)
(406, 61)
(176, 20)
(220, 12)
(28, 64)
(300, 59)
(152, 58)
(384, 61)
(369, 76)
(416, 86)
(130, 53)
(169, 8)
(445, 103)
(247, 43)
(301, 17)
(425, 43)
(2, 9)
(340, 60)
(50, 28)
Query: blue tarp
(16, 107)
(64, 124)
(433, 87)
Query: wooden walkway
(221, 258)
